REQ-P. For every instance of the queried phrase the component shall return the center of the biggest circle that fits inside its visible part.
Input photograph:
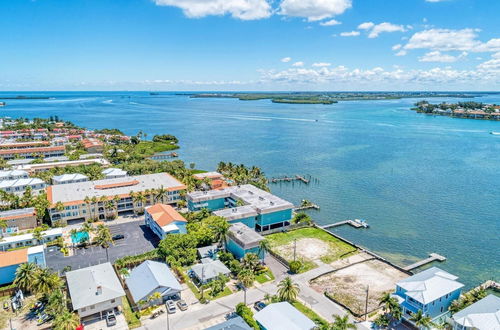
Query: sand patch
(307, 249)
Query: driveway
(138, 239)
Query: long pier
(307, 207)
(290, 179)
(164, 156)
(432, 257)
(345, 222)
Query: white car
(110, 318)
(170, 306)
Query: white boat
(495, 133)
(362, 223)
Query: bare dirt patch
(307, 249)
(348, 285)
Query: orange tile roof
(87, 143)
(18, 216)
(164, 214)
(15, 257)
(24, 144)
(31, 150)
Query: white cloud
(330, 23)
(496, 55)
(314, 10)
(242, 9)
(385, 27)
(396, 47)
(444, 39)
(349, 34)
(366, 25)
(286, 59)
(402, 52)
(321, 64)
(298, 64)
(437, 56)
(435, 0)
(491, 66)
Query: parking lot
(137, 239)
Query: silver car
(170, 306)
(110, 318)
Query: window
(92, 307)
(83, 309)
(441, 309)
(112, 301)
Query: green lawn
(132, 319)
(310, 313)
(336, 249)
(265, 277)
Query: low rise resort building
(150, 277)
(248, 204)
(481, 315)
(69, 178)
(18, 241)
(19, 186)
(24, 145)
(86, 200)
(283, 315)
(93, 145)
(216, 179)
(94, 290)
(113, 173)
(11, 260)
(430, 291)
(164, 219)
(35, 168)
(242, 240)
(13, 175)
(32, 152)
(19, 219)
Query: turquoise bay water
(425, 184)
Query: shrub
(295, 266)
(247, 315)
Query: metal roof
(208, 271)
(93, 285)
(283, 316)
(235, 323)
(482, 315)
(70, 177)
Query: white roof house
(208, 271)
(283, 316)
(150, 277)
(94, 289)
(482, 315)
(69, 178)
(13, 174)
(111, 173)
(429, 285)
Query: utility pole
(168, 320)
(294, 249)
(366, 303)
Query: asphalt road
(138, 239)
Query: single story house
(241, 240)
(208, 270)
(164, 219)
(481, 315)
(209, 251)
(281, 316)
(94, 290)
(11, 260)
(150, 277)
(430, 291)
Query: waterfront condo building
(248, 204)
(87, 200)
(430, 291)
(41, 167)
(33, 152)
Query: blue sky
(250, 45)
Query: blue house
(163, 219)
(242, 240)
(430, 291)
(11, 260)
(255, 207)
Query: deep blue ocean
(424, 183)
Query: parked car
(118, 236)
(43, 318)
(259, 305)
(170, 306)
(182, 305)
(110, 318)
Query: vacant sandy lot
(349, 285)
(307, 249)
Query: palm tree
(160, 195)
(287, 290)
(103, 238)
(3, 226)
(108, 205)
(66, 321)
(385, 301)
(46, 281)
(250, 261)
(341, 323)
(94, 200)
(264, 246)
(26, 275)
(154, 297)
(246, 277)
(87, 202)
(421, 320)
(87, 227)
(38, 234)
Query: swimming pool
(79, 237)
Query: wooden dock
(432, 257)
(290, 179)
(345, 222)
(164, 156)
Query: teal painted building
(247, 204)
(11, 260)
(242, 240)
